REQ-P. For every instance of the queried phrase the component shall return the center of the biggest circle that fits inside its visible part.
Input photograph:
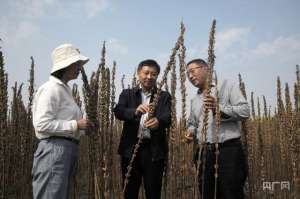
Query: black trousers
(232, 171)
(143, 168)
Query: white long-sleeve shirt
(232, 103)
(55, 113)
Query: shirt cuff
(228, 110)
(192, 130)
(74, 125)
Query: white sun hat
(65, 55)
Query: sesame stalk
(207, 91)
(182, 69)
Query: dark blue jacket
(129, 100)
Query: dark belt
(63, 138)
(227, 143)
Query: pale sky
(258, 38)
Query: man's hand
(189, 137)
(142, 109)
(210, 103)
(82, 124)
(152, 123)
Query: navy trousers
(232, 172)
(144, 168)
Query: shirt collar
(139, 89)
(58, 81)
(200, 91)
(55, 79)
(146, 94)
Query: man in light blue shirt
(234, 108)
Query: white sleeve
(44, 114)
(238, 108)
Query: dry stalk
(206, 91)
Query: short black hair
(149, 62)
(199, 62)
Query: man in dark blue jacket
(133, 108)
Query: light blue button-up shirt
(232, 103)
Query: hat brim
(69, 61)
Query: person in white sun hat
(58, 122)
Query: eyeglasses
(192, 70)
